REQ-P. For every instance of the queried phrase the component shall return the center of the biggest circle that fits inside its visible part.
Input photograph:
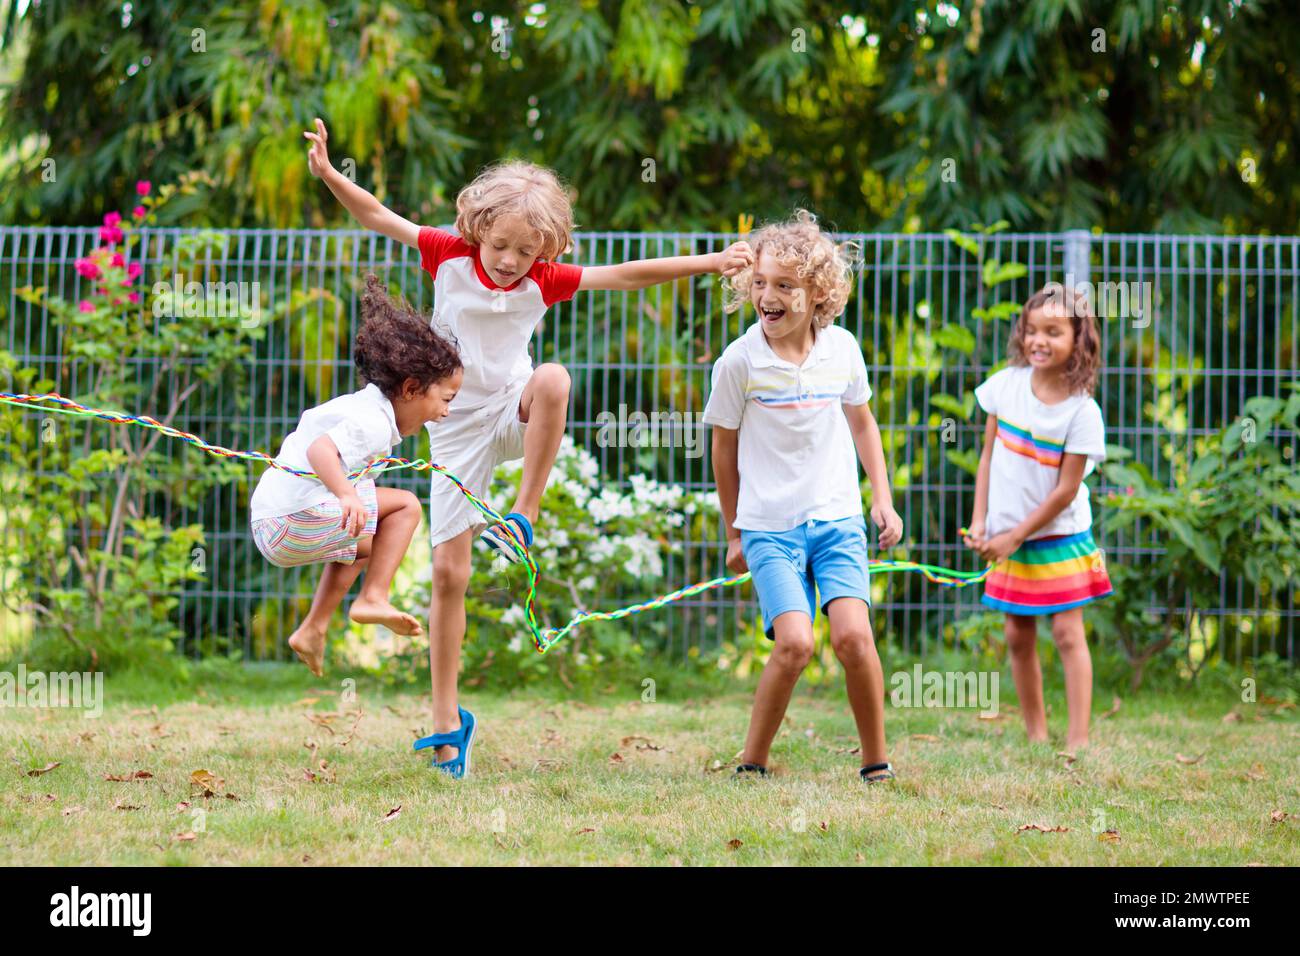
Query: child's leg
(544, 408)
(451, 570)
(790, 655)
(308, 641)
(1067, 632)
(855, 646)
(399, 516)
(1027, 673)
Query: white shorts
(470, 445)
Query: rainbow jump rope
(543, 638)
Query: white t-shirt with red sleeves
(491, 325)
(1031, 438)
(796, 456)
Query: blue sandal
(462, 739)
(501, 542)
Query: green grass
(547, 789)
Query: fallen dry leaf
(734, 844)
(1068, 757)
(1232, 717)
(616, 757)
(1277, 816)
(127, 777)
(393, 814)
(627, 740)
(586, 830)
(1042, 829)
(43, 770)
(927, 737)
(1108, 836)
(123, 805)
(1189, 760)
(1256, 772)
(307, 702)
(182, 806)
(207, 781)
(185, 837)
(1114, 708)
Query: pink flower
(142, 187)
(118, 260)
(87, 306)
(87, 269)
(101, 289)
(133, 270)
(112, 218)
(110, 234)
(117, 301)
(134, 296)
(139, 212)
(1129, 490)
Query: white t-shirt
(796, 457)
(491, 325)
(361, 424)
(1031, 439)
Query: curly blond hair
(824, 264)
(519, 188)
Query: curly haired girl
(346, 524)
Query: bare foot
(309, 644)
(381, 612)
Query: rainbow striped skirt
(1046, 575)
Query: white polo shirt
(362, 425)
(491, 325)
(1031, 438)
(796, 457)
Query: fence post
(1078, 249)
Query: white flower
(587, 584)
(515, 644)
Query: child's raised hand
(736, 563)
(318, 158)
(889, 524)
(737, 257)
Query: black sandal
(744, 768)
(877, 772)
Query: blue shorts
(828, 556)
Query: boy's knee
(553, 382)
(852, 645)
(793, 651)
(450, 576)
(410, 502)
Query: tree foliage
(1132, 115)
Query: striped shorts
(315, 535)
(1047, 575)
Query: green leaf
(955, 337)
(996, 272)
(963, 241)
(964, 459)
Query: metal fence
(1220, 327)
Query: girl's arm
(323, 456)
(1004, 545)
(726, 475)
(980, 512)
(871, 452)
(365, 208)
(641, 273)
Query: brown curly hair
(1085, 360)
(799, 242)
(396, 343)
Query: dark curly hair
(396, 343)
(1085, 360)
